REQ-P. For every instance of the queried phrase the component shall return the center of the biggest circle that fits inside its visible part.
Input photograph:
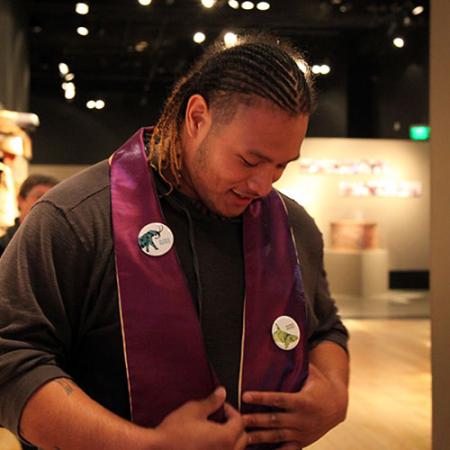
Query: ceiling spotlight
(69, 77)
(95, 104)
(247, 5)
(141, 46)
(67, 86)
(398, 42)
(63, 68)
(82, 8)
(263, 6)
(325, 69)
(233, 4)
(199, 37)
(69, 90)
(82, 31)
(144, 2)
(69, 95)
(230, 39)
(208, 3)
(418, 10)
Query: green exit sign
(419, 132)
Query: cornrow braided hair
(259, 66)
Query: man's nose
(260, 183)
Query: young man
(31, 190)
(174, 268)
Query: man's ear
(197, 119)
(20, 200)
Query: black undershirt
(209, 249)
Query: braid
(258, 66)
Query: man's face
(25, 203)
(239, 161)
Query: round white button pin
(285, 333)
(155, 239)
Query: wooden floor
(390, 393)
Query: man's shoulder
(79, 206)
(87, 187)
(305, 229)
(297, 213)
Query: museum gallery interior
(78, 78)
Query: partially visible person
(31, 190)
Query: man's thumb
(214, 401)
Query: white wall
(403, 222)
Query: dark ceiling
(106, 60)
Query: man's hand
(188, 427)
(48, 418)
(306, 415)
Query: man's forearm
(61, 416)
(331, 359)
(333, 362)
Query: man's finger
(211, 403)
(273, 420)
(283, 400)
(230, 412)
(234, 418)
(291, 446)
(235, 424)
(273, 436)
(242, 442)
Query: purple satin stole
(163, 345)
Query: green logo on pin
(282, 338)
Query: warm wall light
(199, 37)
(82, 31)
(144, 2)
(82, 8)
(69, 77)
